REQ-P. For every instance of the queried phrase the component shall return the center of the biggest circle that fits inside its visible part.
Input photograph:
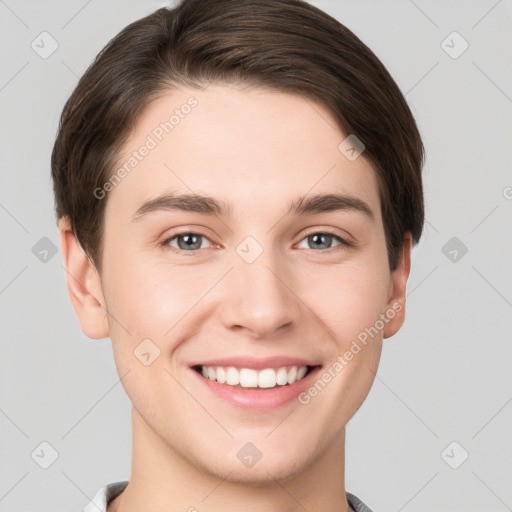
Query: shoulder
(105, 495)
(357, 504)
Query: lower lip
(259, 399)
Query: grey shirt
(110, 491)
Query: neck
(163, 479)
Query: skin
(257, 150)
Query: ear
(83, 283)
(397, 288)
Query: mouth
(252, 379)
(257, 384)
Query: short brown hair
(282, 45)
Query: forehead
(244, 147)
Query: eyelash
(344, 243)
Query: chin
(263, 474)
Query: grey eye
(186, 241)
(322, 240)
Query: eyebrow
(207, 205)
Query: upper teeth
(249, 378)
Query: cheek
(149, 300)
(349, 298)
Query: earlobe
(395, 310)
(83, 283)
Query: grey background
(444, 377)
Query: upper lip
(257, 363)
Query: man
(238, 188)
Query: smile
(266, 378)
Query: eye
(323, 240)
(187, 241)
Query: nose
(259, 298)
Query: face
(243, 280)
